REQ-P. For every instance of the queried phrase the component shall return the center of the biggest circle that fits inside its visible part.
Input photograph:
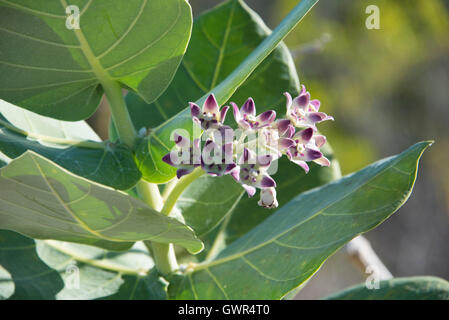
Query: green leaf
(413, 288)
(66, 144)
(94, 273)
(138, 44)
(289, 247)
(207, 201)
(150, 287)
(53, 269)
(27, 276)
(221, 40)
(44, 201)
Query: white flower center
(208, 116)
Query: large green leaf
(413, 288)
(289, 247)
(60, 72)
(28, 277)
(44, 201)
(94, 273)
(221, 39)
(53, 269)
(65, 143)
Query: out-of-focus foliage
(381, 83)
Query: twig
(362, 254)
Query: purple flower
(278, 137)
(252, 172)
(246, 117)
(268, 198)
(303, 112)
(210, 116)
(186, 158)
(307, 149)
(217, 160)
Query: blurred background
(387, 89)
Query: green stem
(119, 112)
(182, 184)
(163, 253)
(168, 188)
(164, 257)
(149, 192)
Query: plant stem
(164, 257)
(163, 253)
(119, 112)
(149, 192)
(168, 188)
(363, 255)
(182, 184)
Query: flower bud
(268, 198)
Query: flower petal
(194, 110)
(196, 120)
(223, 113)
(288, 102)
(171, 158)
(316, 104)
(302, 164)
(266, 182)
(236, 111)
(303, 136)
(319, 140)
(266, 118)
(235, 173)
(249, 107)
(301, 101)
(282, 125)
(264, 160)
(310, 154)
(323, 161)
(314, 117)
(230, 167)
(181, 142)
(249, 189)
(285, 143)
(183, 172)
(211, 105)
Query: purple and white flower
(210, 116)
(252, 173)
(246, 116)
(217, 160)
(278, 136)
(307, 149)
(304, 112)
(187, 156)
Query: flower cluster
(247, 151)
